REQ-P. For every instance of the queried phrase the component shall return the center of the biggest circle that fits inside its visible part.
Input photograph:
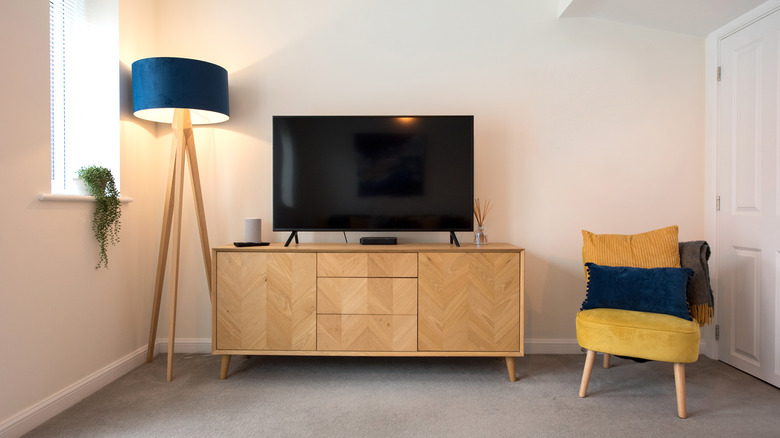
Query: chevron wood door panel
(265, 301)
(469, 302)
(367, 333)
(378, 296)
(367, 264)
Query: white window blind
(84, 68)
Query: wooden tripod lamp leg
(182, 128)
(200, 210)
(162, 255)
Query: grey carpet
(425, 397)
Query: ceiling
(692, 17)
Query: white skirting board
(186, 346)
(552, 346)
(570, 346)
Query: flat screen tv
(373, 173)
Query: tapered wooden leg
(679, 384)
(606, 361)
(162, 255)
(510, 367)
(223, 369)
(200, 210)
(590, 358)
(181, 119)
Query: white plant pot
(81, 187)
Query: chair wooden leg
(606, 360)
(679, 384)
(590, 358)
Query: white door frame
(711, 62)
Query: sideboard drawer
(377, 296)
(367, 333)
(367, 264)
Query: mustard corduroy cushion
(653, 249)
(652, 336)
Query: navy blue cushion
(657, 290)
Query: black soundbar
(378, 240)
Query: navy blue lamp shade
(163, 84)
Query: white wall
(62, 321)
(579, 123)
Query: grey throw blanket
(694, 255)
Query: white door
(748, 258)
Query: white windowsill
(75, 198)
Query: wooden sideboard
(344, 299)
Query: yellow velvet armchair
(638, 302)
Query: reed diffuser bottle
(480, 213)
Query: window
(84, 63)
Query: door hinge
(718, 73)
(717, 332)
(717, 203)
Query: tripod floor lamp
(182, 92)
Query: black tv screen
(373, 173)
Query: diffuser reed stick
(480, 211)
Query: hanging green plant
(105, 220)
